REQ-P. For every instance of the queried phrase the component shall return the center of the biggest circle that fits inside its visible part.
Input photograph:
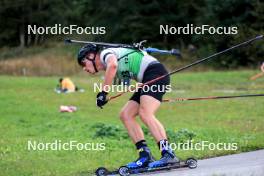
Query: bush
(116, 132)
(110, 131)
(181, 136)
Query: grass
(29, 111)
(56, 58)
(60, 59)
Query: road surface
(244, 164)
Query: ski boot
(168, 157)
(144, 159)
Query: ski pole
(207, 58)
(213, 97)
(196, 63)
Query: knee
(145, 115)
(125, 116)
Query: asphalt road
(244, 164)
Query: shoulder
(107, 53)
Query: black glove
(101, 99)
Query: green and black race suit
(131, 63)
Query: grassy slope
(29, 111)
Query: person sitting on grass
(66, 86)
(134, 64)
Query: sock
(141, 144)
(163, 145)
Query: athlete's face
(88, 65)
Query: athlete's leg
(148, 107)
(128, 117)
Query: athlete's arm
(110, 72)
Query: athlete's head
(87, 58)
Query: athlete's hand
(101, 99)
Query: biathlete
(138, 65)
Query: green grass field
(30, 111)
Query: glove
(101, 99)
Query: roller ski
(167, 161)
(144, 159)
(125, 171)
(190, 163)
(146, 164)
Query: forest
(133, 21)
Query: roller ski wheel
(123, 171)
(101, 171)
(191, 163)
